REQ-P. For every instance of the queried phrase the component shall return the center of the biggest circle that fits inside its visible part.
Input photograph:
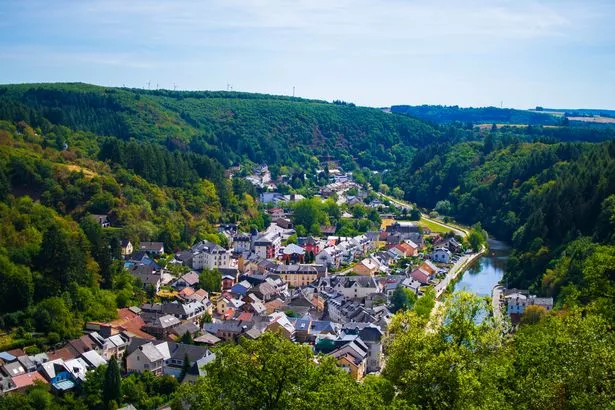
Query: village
(330, 291)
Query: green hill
(229, 126)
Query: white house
(147, 357)
(208, 255)
(441, 255)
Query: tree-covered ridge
(230, 127)
(539, 196)
(440, 114)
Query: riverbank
(458, 268)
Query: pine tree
(185, 368)
(112, 383)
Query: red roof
(28, 379)
(245, 316)
(130, 321)
(65, 353)
(185, 292)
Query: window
(146, 366)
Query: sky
(517, 53)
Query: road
(455, 228)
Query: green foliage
(425, 304)
(111, 386)
(447, 114)
(230, 127)
(210, 280)
(477, 237)
(402, 298)
(272, 372)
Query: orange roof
(228, 314)
(273, 305)
(201, 292)
(131, 322)
(245, 316)
(185, 292)
(28, 379)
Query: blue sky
(555, 53)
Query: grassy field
(434, 227)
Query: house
(367, 267)
(93, 359)
(229, 329)
(228, 281)
(22, 382)
(242, 242)
(126, 247)
(102, 220)
(58, 375)
(266, 245)
(178, 352)
(152, 248)
(293, 254)
(441, 255)
(148, 275)
(13, 369)
(161, 326)
(226, 303)
(284, 223)
(309, 243)
(518, 301)
(371, 335)
(404, 249)
(428, 266)
(190, 279)
(147, 357)
(184, 311)
(352, 357)
(279, 323)
(300, 274)
(77, 368)
(350, 287)
(208, 255)
(421, 275)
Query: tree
(444, 207)
(447, 364)
(273, 373)
(111, 387)
(402, 298)
(414, 215)
(425, 304)
(533, 314)
(187, 338)
(210, 280)
(52, 315)
(185, 367)
(477, 237)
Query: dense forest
(552, 200)
(227, 126)
(439, 114)
(58, 267)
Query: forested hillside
(228, 126)
(57, 264)
(440, 114)
(551, 200)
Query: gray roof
(150, 351)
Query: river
(485, 273)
